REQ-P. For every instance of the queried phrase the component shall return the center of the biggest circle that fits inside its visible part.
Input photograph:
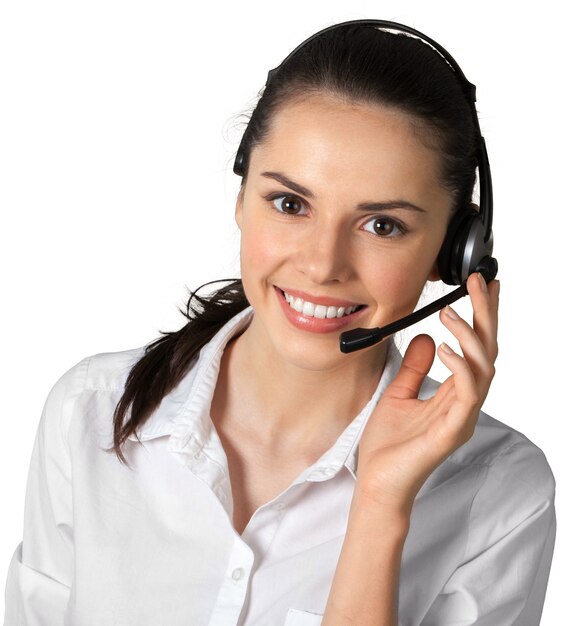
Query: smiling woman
(244, 470)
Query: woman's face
(342, 206)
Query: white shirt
(155, 546)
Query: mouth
(319, 311)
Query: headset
(468, 243)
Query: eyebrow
(362, 206)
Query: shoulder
(106, 371)
(109, 370)
(102, 371)
(493, 499)
(502, 491)
(503, 451)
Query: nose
(324, 254)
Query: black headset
(468, 243)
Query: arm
(365, 587)
(403, 442)
(41, 571)
(502, 578)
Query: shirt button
(237, 574)
(278, 506)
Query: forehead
(323, 140)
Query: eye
(386, 227)
(286, 203)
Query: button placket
(238, 574)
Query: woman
(279, 480)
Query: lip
(313, 324)
(319, 299)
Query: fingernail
(483, 284)
(452, 314)
(446, 348)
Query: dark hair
(362, 64)
(359, 64)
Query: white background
(119, 122)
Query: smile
(319, 311)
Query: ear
(238, 209)
(434, 274)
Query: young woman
(245, 470)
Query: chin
(318, 360)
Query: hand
(406, 438)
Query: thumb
(416, 364)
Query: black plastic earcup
(455, 240)
(464, 247)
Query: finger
(485, 302)
(416, 364)
(472, 348)
(465, 384)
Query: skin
(297, 385)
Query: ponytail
(167, 358)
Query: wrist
(379, 508)
(365, 585)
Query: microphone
(359, 338)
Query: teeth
(318, 311)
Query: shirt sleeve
(41, 570)
(503, 576)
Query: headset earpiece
(464, 249)
(238, 166)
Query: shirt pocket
(296, 617)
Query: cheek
(397, 282)
(259, 250)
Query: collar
(184, 413)
(195, 385)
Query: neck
(280, 403)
